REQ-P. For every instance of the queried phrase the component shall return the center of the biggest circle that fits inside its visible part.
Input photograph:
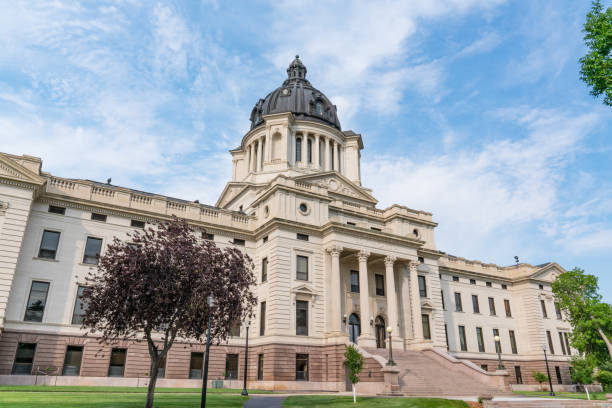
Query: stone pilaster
(415, 298)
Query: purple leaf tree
(154, 288)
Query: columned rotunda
(331, 267)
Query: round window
(303, 208)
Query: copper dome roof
(297, 96)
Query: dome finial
(296, 69)
(297, 56)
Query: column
(415, 299)
(364, 294)
(251, 157)
(336, 293)
(391, 294)
(337, 157)
(259, 152)
(315, 157)
(327, 155)
(304, 148)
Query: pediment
(426, 304)
(548, 272)
(337, 184)
(304, 290)
(230, 192)
(9, 169)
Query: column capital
(390, 260)
(363, 256)
(334, 250)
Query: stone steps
(547, 403)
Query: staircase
(425, 373)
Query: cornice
(278, 187)
(22, 184)
(359, 232)
(430, 253)
(465, 272)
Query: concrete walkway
(265, 401)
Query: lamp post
(552, 393)
(246, 358)
(211, 303)
(390, 362)
(498, 347)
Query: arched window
(298, 149)
(309, 150)
(319, 108)
(354, 328)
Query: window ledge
(87, 264)
(45, 259)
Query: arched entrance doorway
(381, 334)
(354, 328)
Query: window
(298, 149)
(264, 269)
(562, 343)
(426, 329)
(517, 373)
(541, 287)
(567, 344)
(504, 286)
(558, 372)
(301, 367)
(48, 245)
(260, 363)
(265, 239)
(161, 370)
(195, 365)
(331, 157)
(484, 367)
(36, 301)
(543, 306)
(80, 306)
(309, 150)
(462, 341)
(301, 318)
(262, 319)
(208, 236)
(301, 268)
(498, 348)
(422, 286)
(303, 208)
(421, 259)
(480, 338)
(137, 224)
(489, 284)
(550, 342)
(72, 360)
(442, 297)
(355, 281)
(98, 217)
(117, 362)
(319, 108)
(302, 237)
(558, 311)
(507, 307)
(24, 358)
(93, 247)
(513, 342)
(231, 366)
(57, 210)
(472, 281)
(458, 304)
(375, 229)
(380, 284)
(492, 306)
(235, 329)
(475, 304)
(239, 242)
(446, 335)
(350, 223)
(455, 279)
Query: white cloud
(484, 44)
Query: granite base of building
(527, 368)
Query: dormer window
(319, 108)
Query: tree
(155, 288)
(539, 377)
(591, 319)
(596, 65)
(605, 379)
(354, 363)
(582, 371)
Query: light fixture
(389, 329)
(344, 319)
(496, 338)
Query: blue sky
(470, 109)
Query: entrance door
(381, 334)
(354, 328)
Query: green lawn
(76, 388)
(328, 401)
(576, 395)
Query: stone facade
(296, 205)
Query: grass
(94, 389)
(563, 394)
(328, 401)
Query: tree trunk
(354, 395)
(151, 389)
(606, 340)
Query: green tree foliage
(596, 65)
(578, 295)
(605, 379)
(354, 363)
(539, 377)
(582, 370)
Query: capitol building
(331, 267)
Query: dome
(297, 96)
